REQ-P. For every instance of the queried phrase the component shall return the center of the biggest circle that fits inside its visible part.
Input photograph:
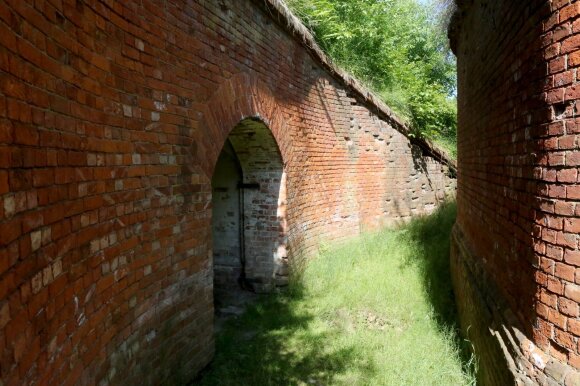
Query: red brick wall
(112, 117)
(517, 226)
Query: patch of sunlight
(377, 310)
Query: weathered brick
(574, 326)
(572, 225)
(572, 257)
(568, 12)
(573, 192)
(568, 307)
(572, 292)
(109, 138)
(573, 158)
(564, 339)
(564, 271)
(567, 175)
(518, 218)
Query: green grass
(449, 144)
(377, 310)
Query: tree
(399, 49)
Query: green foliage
(376, 310)
(398, 48)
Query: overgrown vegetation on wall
(399, 49)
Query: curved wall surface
(515, 255)
(112, 118)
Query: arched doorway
(249, 214)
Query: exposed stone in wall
(516, 234)
(112, 118)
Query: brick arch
(250, 250)
(112, 116)
(240, 97)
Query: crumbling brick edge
(505, 355)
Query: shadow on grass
(272, 344)
(277, 341)
(431, 238)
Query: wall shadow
(251, 349)
(431, 238)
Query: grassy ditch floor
(378, 310)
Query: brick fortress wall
(112, 117)
(515, 254)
